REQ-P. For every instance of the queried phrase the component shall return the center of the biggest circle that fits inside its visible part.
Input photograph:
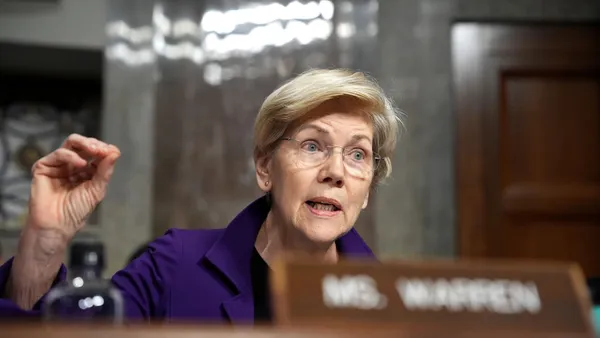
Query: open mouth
(321, 206)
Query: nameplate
(442, 296)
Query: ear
(366, 202)
(262, 163)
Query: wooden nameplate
(445, 297)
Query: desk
(187, 331)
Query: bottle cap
(87, 255)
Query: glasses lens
(361, 170)
(309, 156)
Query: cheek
(290, 179)
(292, 187)
(357, 196)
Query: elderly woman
(322, 141)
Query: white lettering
(358, 291)
(460, 294)
(414, 294)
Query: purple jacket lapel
(231, 254)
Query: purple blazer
(197, 275)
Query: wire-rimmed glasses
(359, 162)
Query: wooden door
(528, 141)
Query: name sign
(486, 295)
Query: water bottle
(85, 295)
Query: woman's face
(316, 196)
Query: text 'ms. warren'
(500, 296)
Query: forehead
(337, 117)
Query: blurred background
(500, 157)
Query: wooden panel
(549, 126)
(528, 141)
(551, 200)
(550, 123)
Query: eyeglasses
(360, 163)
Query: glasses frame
(376, 158)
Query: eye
(310, 146)
(357, 155)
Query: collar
(232, 252)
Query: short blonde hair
(292, 101)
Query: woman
(322, 140)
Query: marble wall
(130, 75)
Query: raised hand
(69, 183)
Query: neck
(276, 240)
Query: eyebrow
(355, 138)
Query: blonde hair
(291, 102)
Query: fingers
(77, 153)
(51, 162)
(88, 147)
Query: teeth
(322, 206)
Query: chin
(322, 233)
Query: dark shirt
(260, 288)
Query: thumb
(106, 168)
(94, 190)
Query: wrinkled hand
(69, 183)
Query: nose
(332, 171)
